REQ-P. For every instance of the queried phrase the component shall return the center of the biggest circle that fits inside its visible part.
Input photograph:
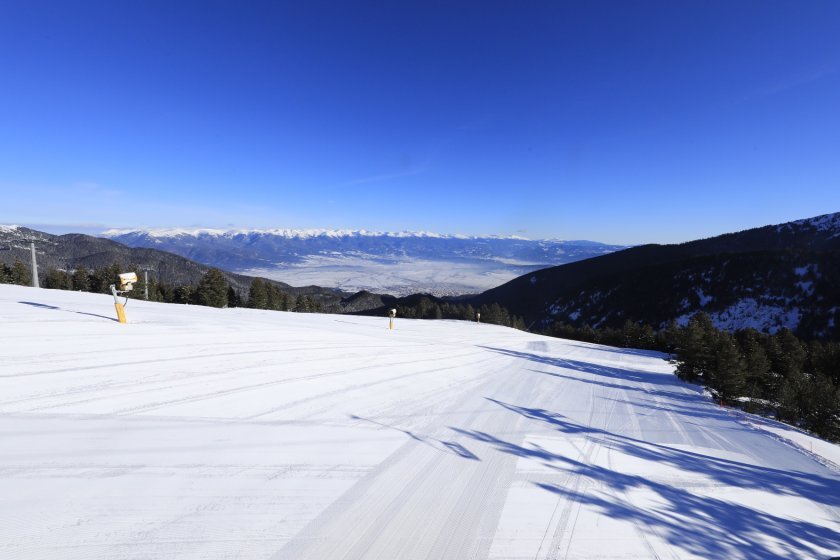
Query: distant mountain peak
(289, 233)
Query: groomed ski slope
(197, 433)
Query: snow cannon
(391, 314)
(127, 280)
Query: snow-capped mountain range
(390, 262)
(295, 233)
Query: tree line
(212, 290)
(265, 295)
(18, 273)
(778, 375)
(427, 308)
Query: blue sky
(623, 122)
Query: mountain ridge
(786, 273)
(71, 250)
(352, 260)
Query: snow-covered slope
(399, 263)
(202, 433)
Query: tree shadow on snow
(627, 374)
(612, 373)
(706, 410)
(704, 526)
(439, 444)
(695, 397)
(625, 351)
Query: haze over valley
(351, 260)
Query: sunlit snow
(196, 433)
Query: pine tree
(587, 333)
(822, 407)
(274, 297)
(824, 359)
(160, 291)
(97, 279)
(647, 338)
(693, 356)
(629, 335)
(233, 298)
(102, 278)
(727, 375)
(258, 294)
(671, 336)
(212, 290)
(112, 276)
(469, 313)
(57, 280)
(20, 274)
(424, 308)
(774, 380)
(80, 279)
(788, 354)
(305, 304)
(789, 407)
(184, 294)
(756, 369)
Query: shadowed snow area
(198, 433)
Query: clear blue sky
(613, 121)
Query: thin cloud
(380, 178)
(91, 188)
(476, 125)
(791, 82)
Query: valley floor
(198, 433)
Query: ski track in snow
(201, 433)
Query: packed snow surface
(198, 433)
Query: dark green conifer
(57, 280)
(80, 279)
(258, 294)
(20, 274)
(212, 290)
(727, 374)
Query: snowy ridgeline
(397, 263)
(194, 432)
